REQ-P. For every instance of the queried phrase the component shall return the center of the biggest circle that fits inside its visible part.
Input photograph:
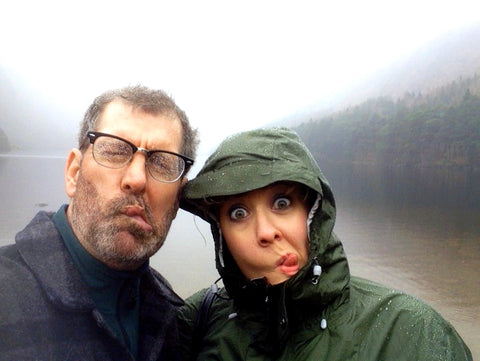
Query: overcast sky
(231, 65)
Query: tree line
(438, 129)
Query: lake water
(419, 232)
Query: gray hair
(145, 99)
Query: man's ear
(179, 194)
(184, 182)
(72, 170)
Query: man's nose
(135, 177)
(267, 230)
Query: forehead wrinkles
(169, 138)
(150, 130)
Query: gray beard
(97, 225)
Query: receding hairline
(141, 98)
(168, 113)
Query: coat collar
(42, 248)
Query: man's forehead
(118, 110)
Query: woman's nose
(267, 230)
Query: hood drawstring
(317, 271)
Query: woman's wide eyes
(281, 202)
(238, 213)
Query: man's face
(122, 216)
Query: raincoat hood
(253, 160)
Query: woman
(288, 292)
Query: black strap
(202, 318)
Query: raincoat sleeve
(433, 337)
(403, 328)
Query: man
(76, 285)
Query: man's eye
(159, 161)
(120, 150)
(281, 202)
(113, 150)
(238, 213)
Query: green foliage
(435, 130)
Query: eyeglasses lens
(165, 166)
(111, 152)
(115, 153)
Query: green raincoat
(327, 316)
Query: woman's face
(266, 231)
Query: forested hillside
(438, 129)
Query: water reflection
(28, 184)
(417, 231)
(456, 188)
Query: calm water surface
(417, 232)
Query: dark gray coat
(46, 312)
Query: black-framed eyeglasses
(114, 152)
